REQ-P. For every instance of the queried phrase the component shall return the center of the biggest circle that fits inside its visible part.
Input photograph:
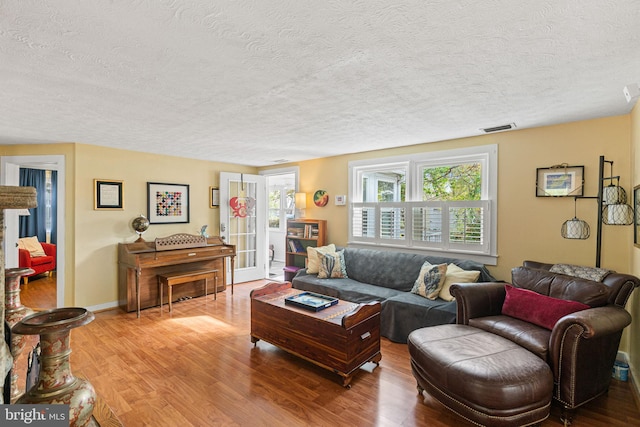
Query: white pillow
(313, 260)
(456, 274)
(32, 245)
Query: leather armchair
(39, 265)
(581, 348)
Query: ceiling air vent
(499, 128)
(280, 161)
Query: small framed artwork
(108, 194)
(560, 181)
(636, 216)
(320, 198)
(167, 203)
(214, 197)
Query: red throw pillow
(536, 308)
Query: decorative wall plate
(320, 198)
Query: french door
(243, 223)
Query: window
(274, 207)
(281, 206)
(438, 201)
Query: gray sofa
(375, 275)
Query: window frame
(487, 155)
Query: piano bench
(171, 279)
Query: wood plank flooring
(197, 367)
(40, 293)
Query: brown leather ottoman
(481, 376)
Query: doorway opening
(10, 167)
(282, 185)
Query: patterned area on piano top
(180, 241)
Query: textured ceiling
(257, 82)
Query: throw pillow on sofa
(536, 308)
(456, 274)
(430, 280)
(32, 245)
(313, 257)
(332, 266)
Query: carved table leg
(346, 381)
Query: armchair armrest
(477, 300)
(50, 249)
(594, 322)
(24, 258)
(582, 350)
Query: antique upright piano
(140, 263)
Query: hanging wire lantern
(617, 214)
(615, 210)
(575, 228)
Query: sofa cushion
(332, 265)
(430, 280)
(394, 270)
(456, 274)
(406, 312)
(32, 245)
(345, 289)
(313, 261)
(594, 294)
(532, 337)
(42, 260)
(538, 309)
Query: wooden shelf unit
(302, 233)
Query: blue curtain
(54, 207)
(35, 224)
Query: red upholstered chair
(39, 264)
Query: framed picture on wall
(560, 181)
(108, 194)
(636, 216)
(167, 203)
(214, 197)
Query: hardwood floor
(197, 367)
(40, 293)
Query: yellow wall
(528, 226)
(633, 306)
(92, 236)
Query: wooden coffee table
(340, 338)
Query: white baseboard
(105, 306)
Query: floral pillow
(332, 266)
(430, 280)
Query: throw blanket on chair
(589, 273)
